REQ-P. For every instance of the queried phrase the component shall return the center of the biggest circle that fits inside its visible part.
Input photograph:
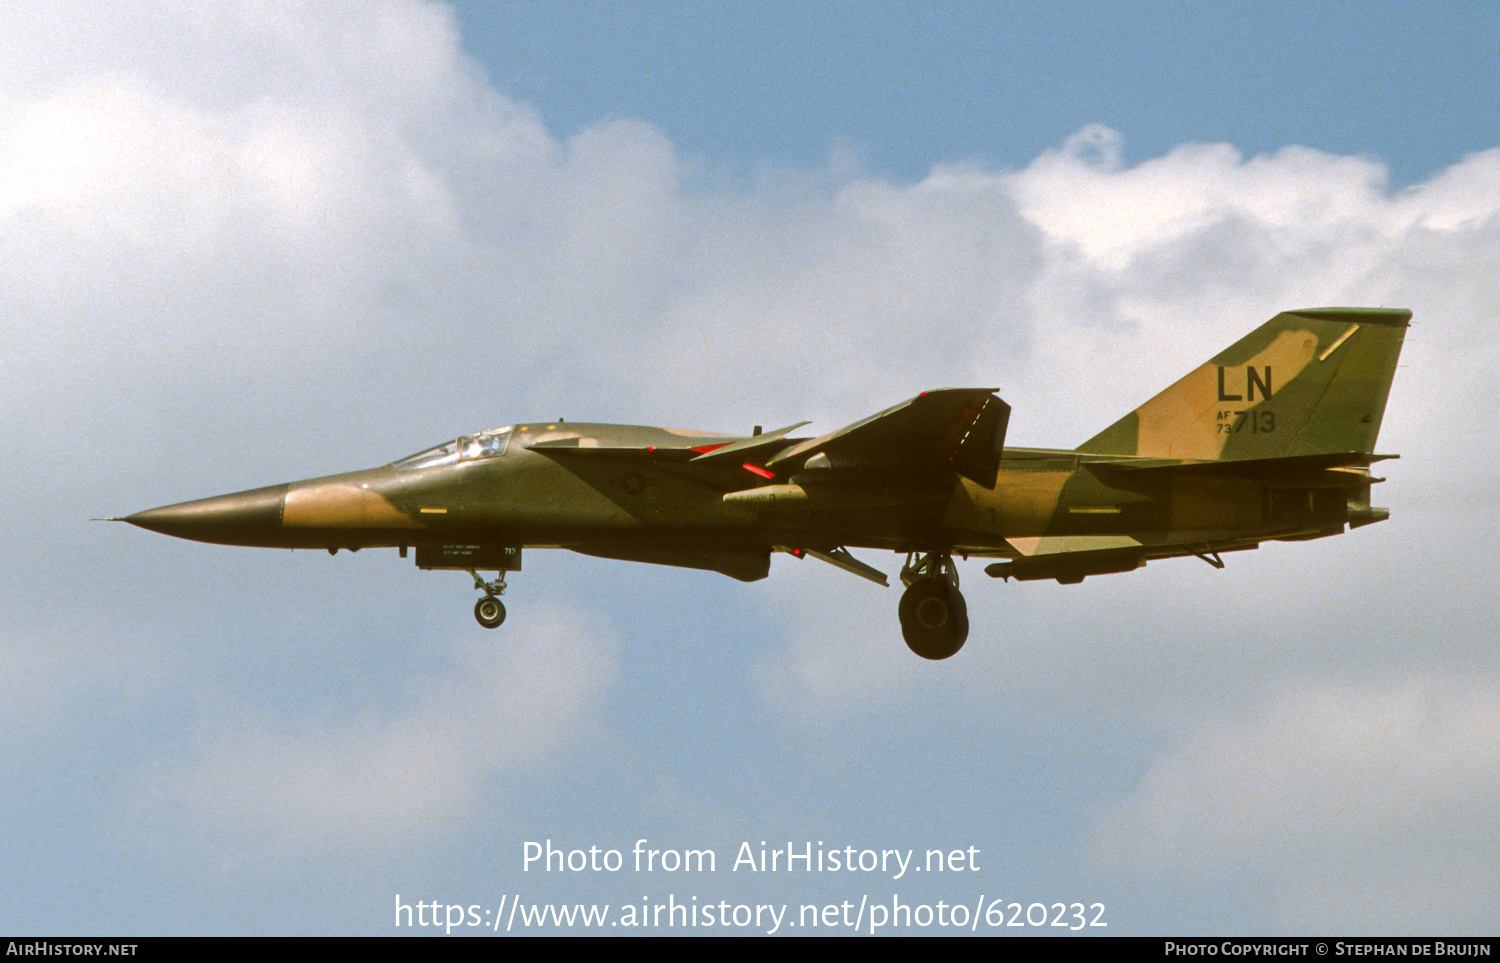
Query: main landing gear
(934, 616)
(489, 611)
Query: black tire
(934, 618)
(489, 612)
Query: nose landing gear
(489, 611)
(934, 616)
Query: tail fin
(1307, 382)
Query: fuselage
(631, 491)
(1271, 439)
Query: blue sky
(908, 85)
(255, 243)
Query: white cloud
(306, 233)
(1332, 800)
(1141, 274)
(1112, 213)
(367, 213)
(257, 788)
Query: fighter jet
(1270, 440)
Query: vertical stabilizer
(1313, 381)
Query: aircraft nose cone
(244, 518)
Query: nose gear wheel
(489, 611)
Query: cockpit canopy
(485, 444)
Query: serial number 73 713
(1255, 422)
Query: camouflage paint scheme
(1272, 439)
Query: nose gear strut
(489, 611)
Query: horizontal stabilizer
(1245, 467)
